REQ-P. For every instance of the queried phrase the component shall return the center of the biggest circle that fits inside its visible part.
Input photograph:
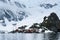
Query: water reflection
(30, 36)
(2, 37)
(51, 36)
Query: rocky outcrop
(33, 29)
(48, 6)
(51, 22)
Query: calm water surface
(30, 36)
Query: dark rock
(51, 22)
(19, 5)
(4, 1)
(22, 27)
(47, 6)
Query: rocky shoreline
(52, 23)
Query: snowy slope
(11, 13)
(34, 11)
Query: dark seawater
(30, 36)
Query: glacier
(15, 13)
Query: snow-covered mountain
(15, 13)
(11, 13)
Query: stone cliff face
(52, 22)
